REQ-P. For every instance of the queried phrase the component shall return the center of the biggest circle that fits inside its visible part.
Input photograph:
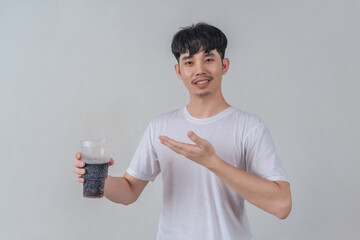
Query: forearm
(265, 194)
(118, 190)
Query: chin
(202, 94)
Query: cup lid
(94, 143)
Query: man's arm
(124, 190)
(273, 197)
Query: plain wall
(71, 70)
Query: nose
(200, 69)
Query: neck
(208, 106)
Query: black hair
(193, 37)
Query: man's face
(202, 73)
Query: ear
(226, 64)
(177, 70)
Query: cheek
(186, 74)
(218, 72)
(216, 69)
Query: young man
(211, 155)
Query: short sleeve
(144, 164)
(260, 155)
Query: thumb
(111, 162)
(195, 138)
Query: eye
(188, 63)
(209, 60)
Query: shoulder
(165, 118)
(247, 120)
(247, 124)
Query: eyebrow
(209, 54)
(186, 57)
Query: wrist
(213, 162)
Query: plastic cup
(96, 155)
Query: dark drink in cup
(96, 156)
(95, 177)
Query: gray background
(103, 69)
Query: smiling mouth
(202, 80)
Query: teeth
(202, 82)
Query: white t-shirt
(197, 205)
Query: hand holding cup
(79, 167)
(93, 167)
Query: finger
(79, 163)
(195, 138)
(78, 155)
(80, 180)
(178, 147)
(111, 162)
(79, 171)
(170, 143)
(172, 148)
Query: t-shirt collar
(221, 114)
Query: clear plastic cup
(96, 155)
